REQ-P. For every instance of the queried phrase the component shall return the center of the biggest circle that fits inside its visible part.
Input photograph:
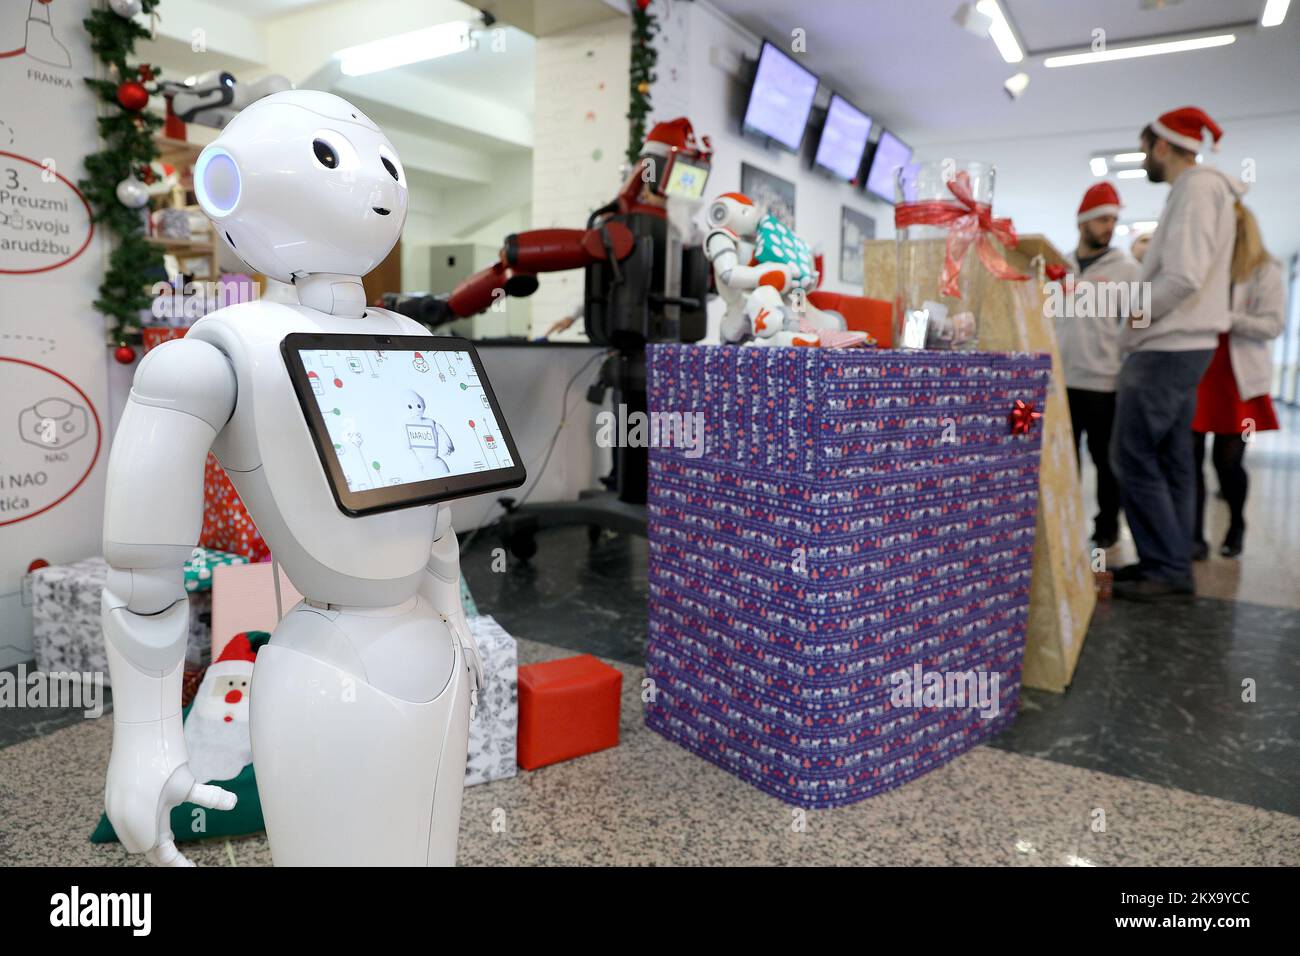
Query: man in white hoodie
(1167, 347)
(1098, 280)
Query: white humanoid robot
(766, 303)
(361, 702)
(429, 441)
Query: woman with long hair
(1233, 401)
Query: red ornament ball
(133, 96)
(124, 354)
(37, 565)
(642, 4)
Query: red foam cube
(567, 708)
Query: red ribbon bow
(1022, 417)
(967, 221)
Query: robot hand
(142, 792)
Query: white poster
(53, 424)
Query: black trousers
(1228, 455)
(1094, 413)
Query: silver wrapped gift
(494, 732)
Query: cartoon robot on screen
(360, 704)
(429, 441)
(768, 279)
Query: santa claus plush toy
(216, 730)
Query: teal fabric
(776, 242)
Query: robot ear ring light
(217, 183)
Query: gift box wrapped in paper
(1012, 319)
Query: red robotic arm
(525, 254)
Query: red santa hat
(1101, 199)
(236, 657)
(672, 135)
(1186, 127)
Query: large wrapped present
(227, 526)
(493, 733)
(67, 629)
(839, 578)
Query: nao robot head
(736, 213)
(303, 182)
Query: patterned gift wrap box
(67, 625)
(854, 514)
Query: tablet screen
(401, 420)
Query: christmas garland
(644, 55)
(116, 175)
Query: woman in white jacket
(1233, 401)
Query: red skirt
(1219, 408)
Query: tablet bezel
(410, 494)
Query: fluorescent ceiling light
(1129, 157)
(1001, 32)
(1131, 173)
(1121, 230)
(1145, 225)
(1098, 165)
(1144, 49)
(1274, 13)
(405, 48)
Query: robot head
(303, 182)
(414, 403)
(737, 212)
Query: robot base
(360, 727)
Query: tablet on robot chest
(400, 420)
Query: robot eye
(392, 164)
(388, 165)
(326, 154)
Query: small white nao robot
(766, 303)
(361, 702)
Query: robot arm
(441, 587)
(723, 251)
(183, 394)
(515, 273)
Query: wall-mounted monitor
(843, 140)
(890, 153)
(780, 99)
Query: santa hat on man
(1187, 127)
(1100, 200)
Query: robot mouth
(381, 210)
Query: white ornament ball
(125, 8)
(132, 193)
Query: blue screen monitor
(780, 99)
(844, 139)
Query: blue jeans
(1151, 455)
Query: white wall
(689, 84)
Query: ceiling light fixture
(1274, 13)
(1145, 225)
(1098, 165)
(1129, 157)
(405, 48)
(1000, 30)
(1131, 173)
(1016, 85)
(1144, 49)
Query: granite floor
(648, 802)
